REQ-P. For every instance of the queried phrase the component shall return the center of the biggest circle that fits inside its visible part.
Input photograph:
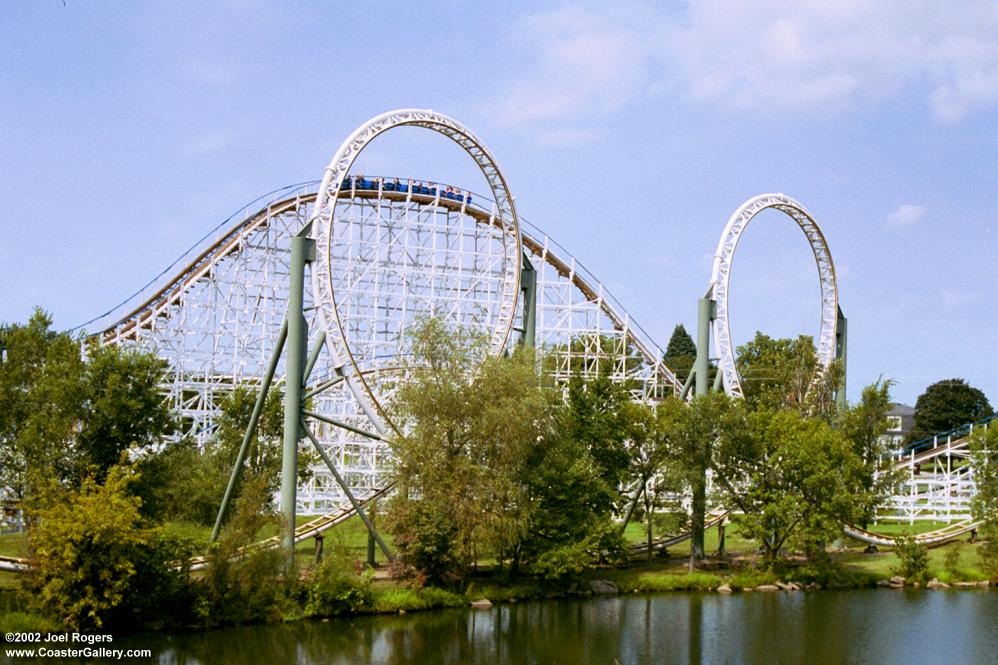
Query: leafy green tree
(681, 353)
(265, 455)
(187, 483)
(493, 461)
(795, 479)
(693, 435)
(786, 373)
(571, 517)
(649, 452)
(948, 404)
(984, 457)
(123, 409)
(596, 416)
(468, 428)
(41, 389)
(864, 425)
(65, 415)
(97, 565)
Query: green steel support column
(314, 356)
(718, 380)
(353, 501)
(841, 335)
(705, 314)
(528, 285)
(687, 384)
(237, 468)
(302, 250)
(339, 423)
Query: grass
(15, 617)
(395, 599)
(13, 544)
(350, 534)
(903, 528)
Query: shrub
(913, 559)
(243, 585)
(988, 553)
(559, 562)
(425, 535)
(97, 566)
(338, 588)
(951, 559)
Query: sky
(628, 131)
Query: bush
(242, 585)
(988, 553)
(337, 587)
(913, 559)
(425, 535)
(951, 559)
(559, 562)
(97, 566)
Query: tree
(97, 565)
(41, 389)
(647, 455)
(65, 415)
(597, 413)
(185, 482)
(786, 373)
(984, 458)
(692, 436)
(469, 425)
(948, 404)
(795, 479)
(681, 353)
(864, 425)
(123, 406)
(493, 461)
(573, 477)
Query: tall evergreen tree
(681, 352)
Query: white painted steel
(372, 278)
(216, 318)
(721, 274)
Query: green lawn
(897, 528)
(352, 535)
(12, 544)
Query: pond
(819, 628)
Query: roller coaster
(382, 252)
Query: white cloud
(906, 215)
(578, 61)
(824, 52)
(812, 55)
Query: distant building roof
(901, 410)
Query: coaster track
(390, 252)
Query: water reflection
(823, 628)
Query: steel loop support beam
(721, 275)
(327, 234)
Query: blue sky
(628, 131)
